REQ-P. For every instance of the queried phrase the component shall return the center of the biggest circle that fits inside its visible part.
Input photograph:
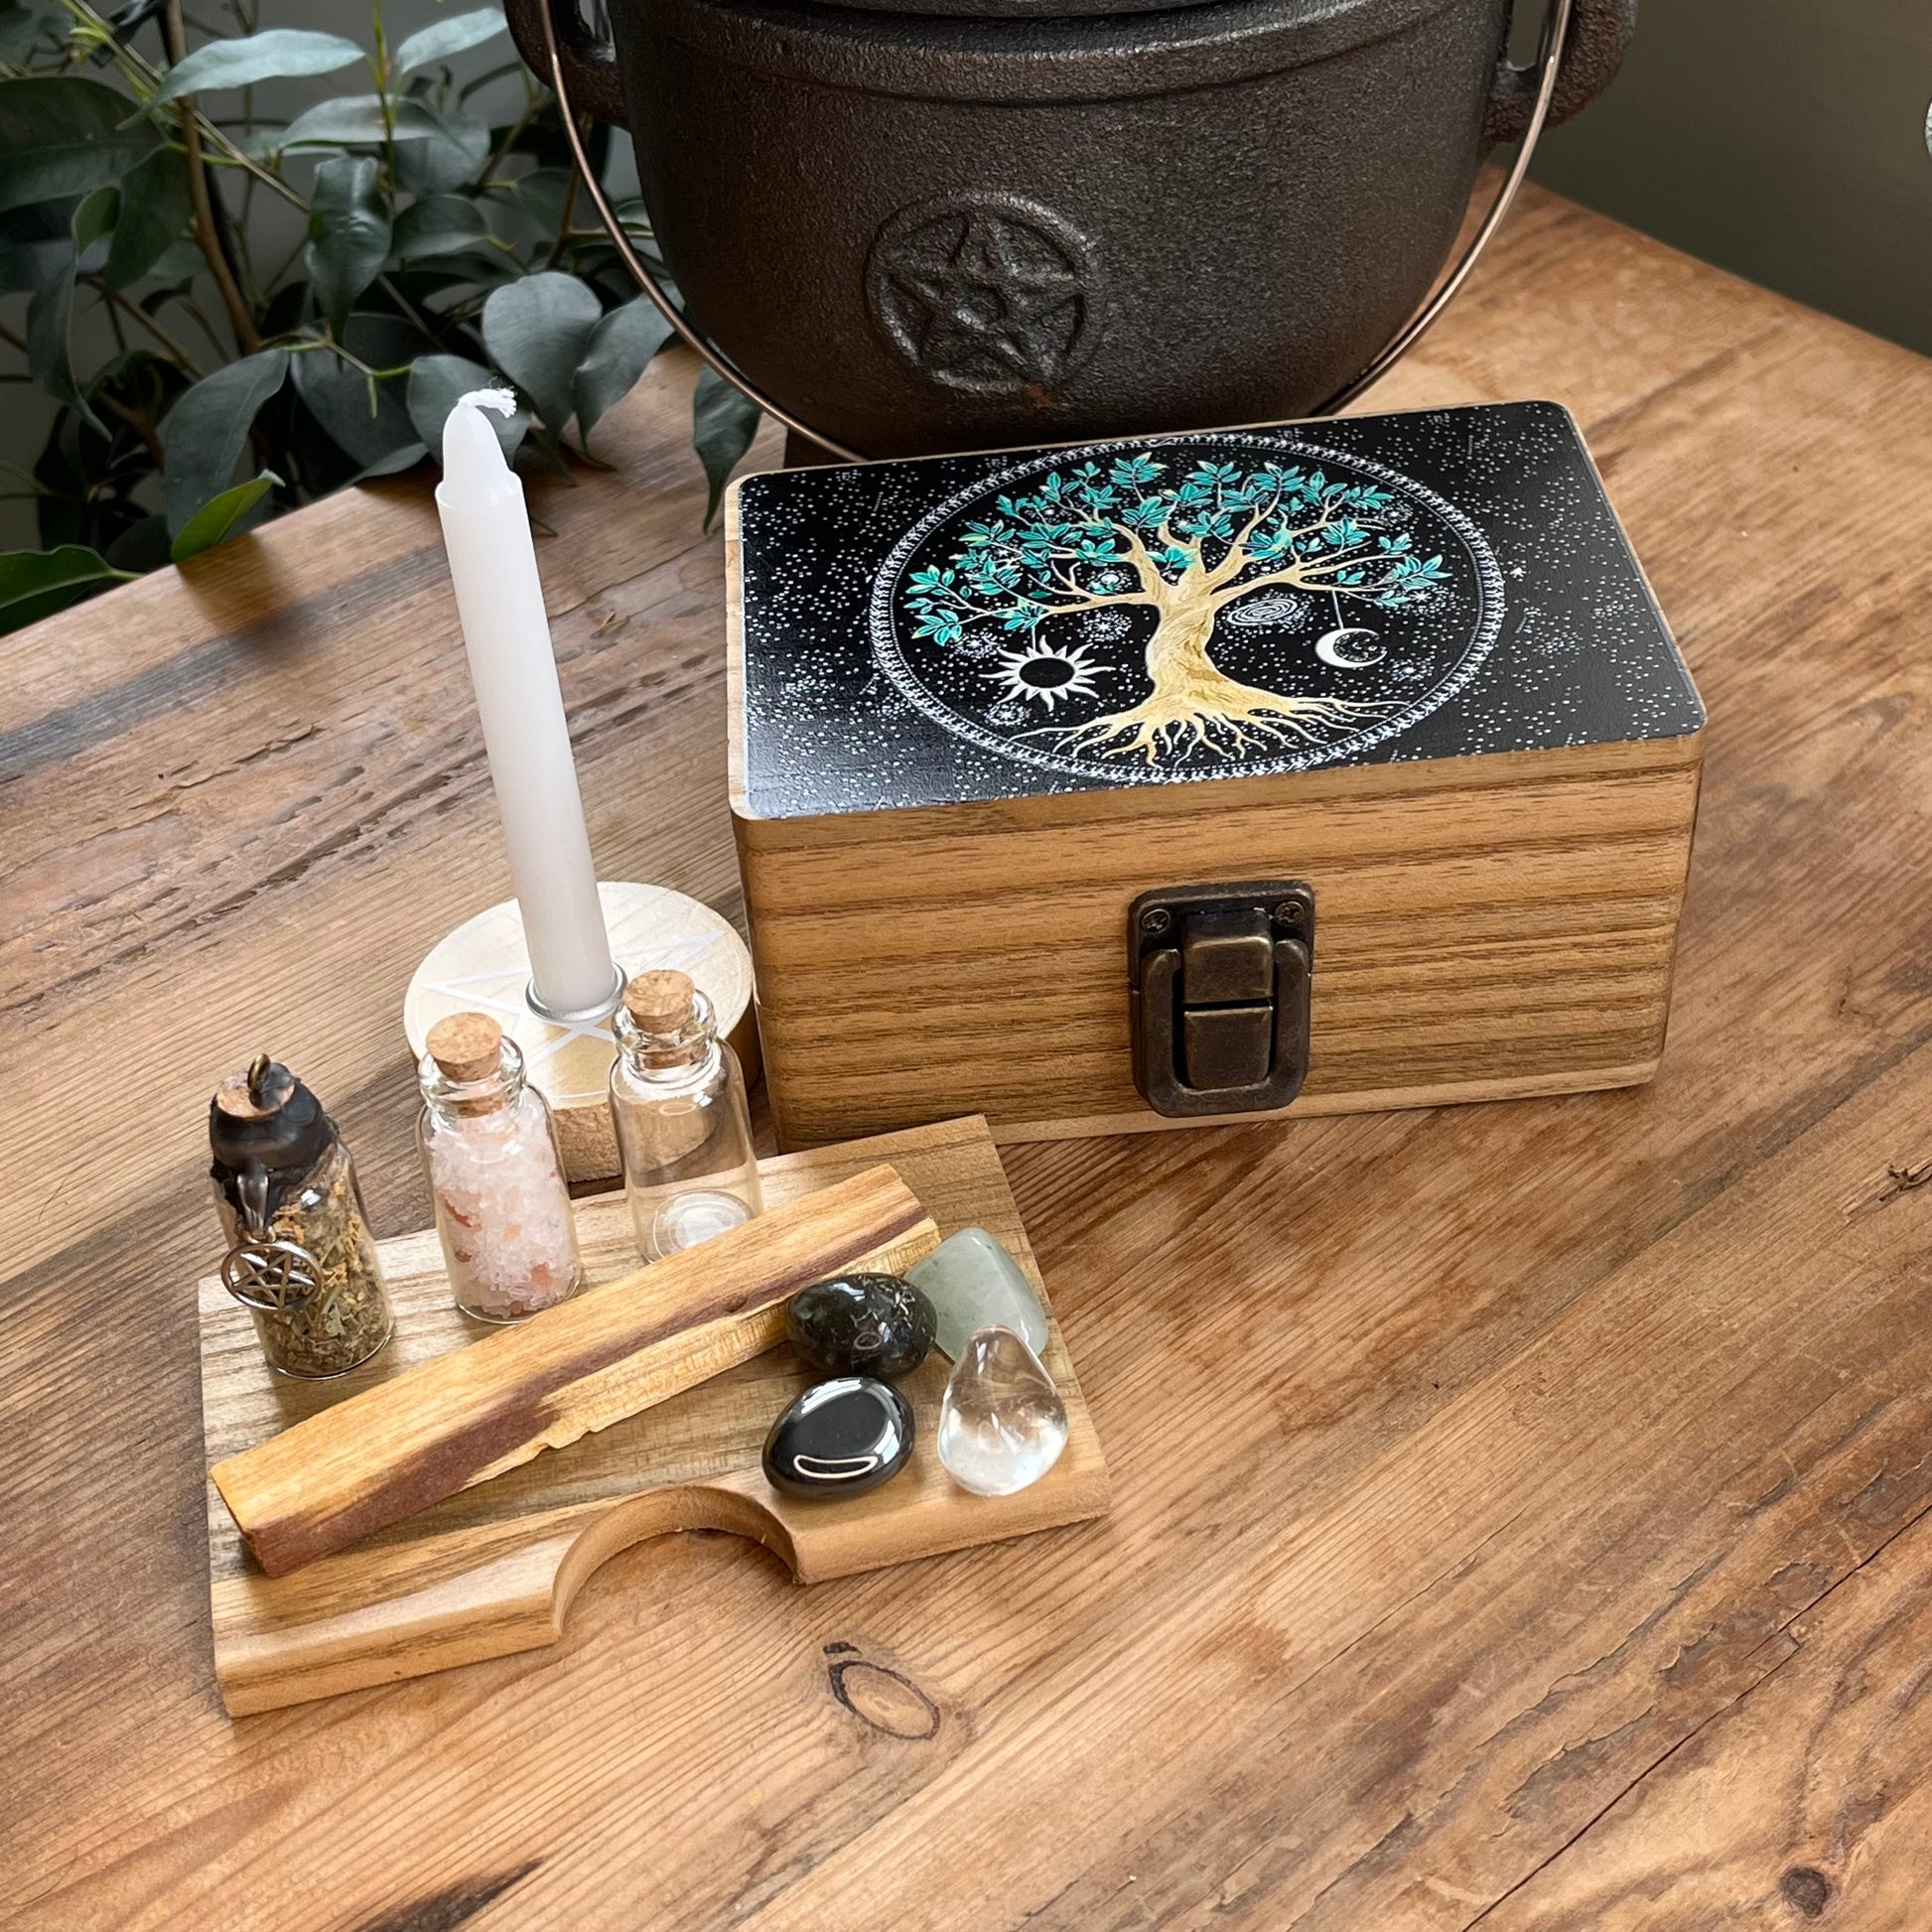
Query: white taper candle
(493, 565)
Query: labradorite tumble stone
(861, 1324)
(840, 1439)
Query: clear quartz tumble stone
(1001, 1423)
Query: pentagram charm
(274, 1276)
(987, 293)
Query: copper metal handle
(560, 50)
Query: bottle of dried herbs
(301, 1257)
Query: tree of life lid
(1173, 610)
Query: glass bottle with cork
(684, 1129)
(300, 1256)
(495, 1175)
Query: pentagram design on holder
(987, 293)
(271, 1274)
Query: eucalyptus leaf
(337, 395)
(448, 38)
(537, 332)
(154, 211)
(405, 457)
(222, 516)
(723, 422)
(434, 385)
(619, 350)
(92, 222)
(62, 135)
(21, 27)
(280, 53)
(477, 83)
(34, 242)
(49, 347)
(206, 432)
(142, 546)
(34, 584)
(451, 156)
(176, 266)
(544, 194)
(472, 269)
(439, 225)
(355, 121)
(348, 235)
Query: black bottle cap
(264, 1117)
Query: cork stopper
(661, 1002)
(466, 1045)
(258, 1091)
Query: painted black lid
(264, 1117)
(1441, 583)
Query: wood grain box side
(1486, 928)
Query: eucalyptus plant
(436, 241)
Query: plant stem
(247, 336)
(136, 313)
(135, 421)
(533, 99)
(380, 67)
(144, 78)
(562, 225)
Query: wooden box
(1408, 665)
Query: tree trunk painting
(1188, 550)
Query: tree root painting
(1185, 548)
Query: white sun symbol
(1047, 674)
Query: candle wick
(503, 401)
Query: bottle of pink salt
(495, 1175)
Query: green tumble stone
(973, 1283)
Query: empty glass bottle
(301, 1257)
(677, 1097)
(495, 1175)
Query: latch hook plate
(1218, 995)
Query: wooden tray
(494, 1570)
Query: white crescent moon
(1332, 647)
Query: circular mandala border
(887, 654)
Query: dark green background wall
(1784, 139)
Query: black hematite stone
(861, 1324)
(840, 1439)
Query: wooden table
(1521, 1510)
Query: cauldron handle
(552, 37)
(551, 34)
(1547, 75)
(1592, 51)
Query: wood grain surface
(494, 1569)
(1519, 1511)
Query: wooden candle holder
(484, 966)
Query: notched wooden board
(492, 1568)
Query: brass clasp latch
(1218, 995)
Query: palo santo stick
(582, 1365)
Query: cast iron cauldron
(1015, 222)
